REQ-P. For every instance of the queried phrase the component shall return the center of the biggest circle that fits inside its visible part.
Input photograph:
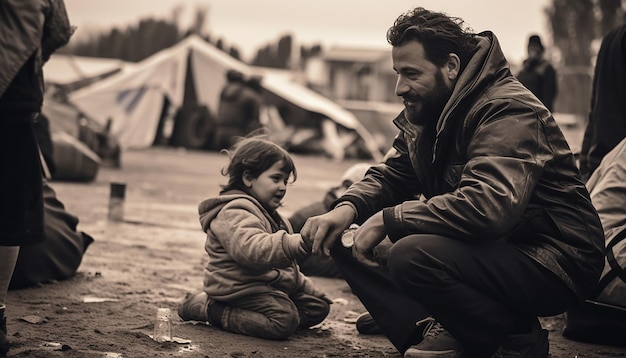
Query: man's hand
(323, 230)
(367, 237)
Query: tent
(190, 75)
(73, 72)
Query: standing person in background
(538, 75)
(30, 31)
(239, 110)
(606, 125)
(490, 223)
(254, 104)
(228, 111)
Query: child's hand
(296, 248)
(307, 245)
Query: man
(537, 74)
(606, 126)
(30, 31)
(504, 230)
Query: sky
(251, 24)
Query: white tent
(134, 98)
(67, 69)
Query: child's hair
(254, 155)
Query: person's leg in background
(21, 193)
(8, 258)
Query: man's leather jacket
(498, 168)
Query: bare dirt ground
(156, 255)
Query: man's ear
(247, 179)
(452, 68)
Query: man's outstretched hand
(323, 230)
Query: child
(252, 284)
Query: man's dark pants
(479, 292)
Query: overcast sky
(250, 24)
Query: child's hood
(209, 208)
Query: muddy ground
(156, 255)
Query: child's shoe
(195, 307)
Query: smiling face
(270, 187)
(424, 87)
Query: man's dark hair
(439, 33)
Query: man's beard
(432, 103)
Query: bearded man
(490, 224)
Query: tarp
(67, 69)
(133, 99)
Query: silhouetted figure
(30, 31)
(537, 74)
(606, 126)
(239, 109)
(254, 119)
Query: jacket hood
(209, 208)
(487, 62)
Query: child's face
(270, 187)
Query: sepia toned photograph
(315, 179)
